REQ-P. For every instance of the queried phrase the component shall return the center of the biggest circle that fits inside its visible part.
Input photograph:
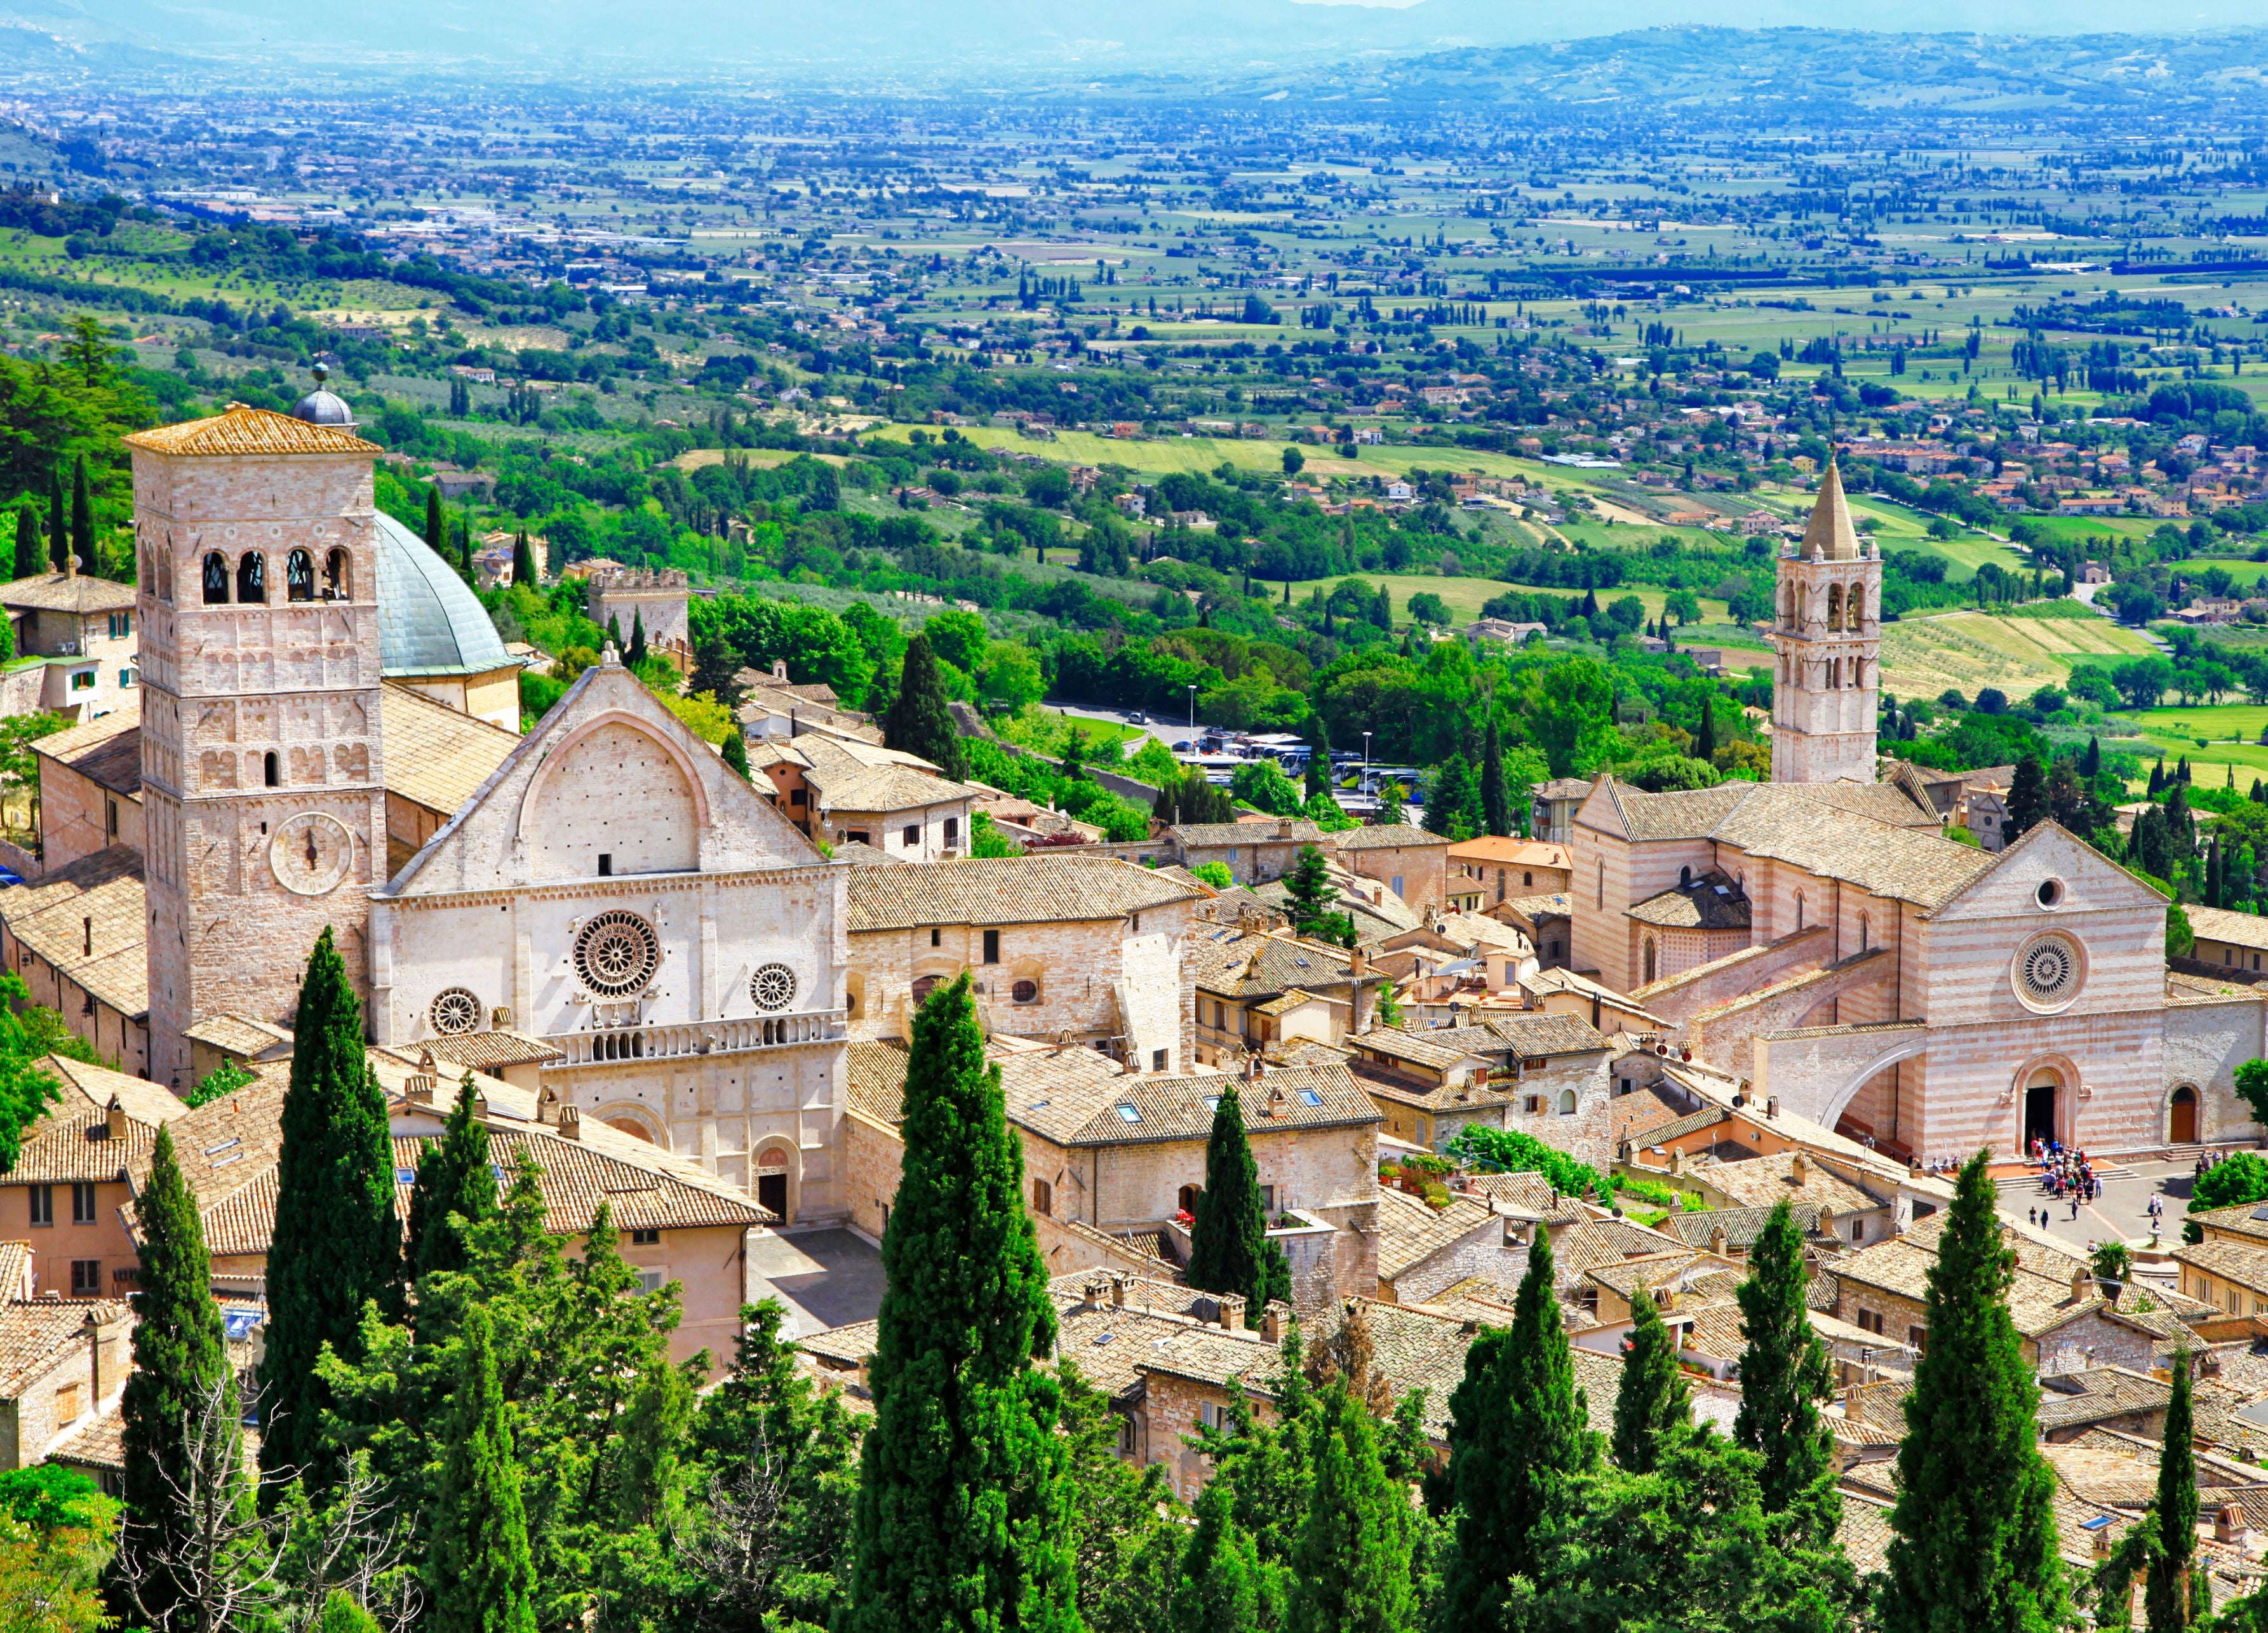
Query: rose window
(2047, 971)
(456, 1012)
(772, 988)
(616, 954)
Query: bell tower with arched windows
(1828, 636)
(264, 814)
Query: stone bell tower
(265, 815)
(1828, 634)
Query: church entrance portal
(2040, 1110)
(772, 1191)
(2184, 1128)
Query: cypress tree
(523, 561)
(1784, 1376)
(480, 1570)
(918, 721)
(962, 1515)
(1229, 1249)
(1319, 761)
(2090, 762)
(637, 653)
(615, 632)
(179, 1353)
(82, 524)
(58, 519)
(1453, 804)
(1352, 1562)
(336, 1244)
(1382, 614)
(1974, 1542)
(2158, 776)
(1705, 742)
(28, 542)
(453, 1177)
(437, 523)
(1652, 1402)
(2172, 1594)
(736, 755)
(1517, 1441)
(1496, 799)
(1218, 1587)
(1311, 896)
(2182, 769)
(2027, 797)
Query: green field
(1966, 651)
(2231, 733)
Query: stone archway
(2183, 1118)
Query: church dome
(320, 407)
(429, 621)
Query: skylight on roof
(1213, 1102)
(405, 1176)
(1311, 1097)
(1131, 1114)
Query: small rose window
(1025, 992)
(772, 988)
(456, 1012)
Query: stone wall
(2205, 1042)
(1678, 998)
(1485, 1251)
(75, 815)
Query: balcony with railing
(608, 1045)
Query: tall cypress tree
(1229, 1249)
(1652, 1403)
(179, 1354)
(1352, 1558)
(918, 721)
(437, 523)
(1975, 1527)
(453, 1177)
(523, 561)
(1453, 804)
(1496, 799)
(28, 542)
(1517, 1439)
(736, 757)
(2090, 763)
(479, 1569)
(637, 654)
(963, 1514)
(2171, 1592)
(58, 519)
(82, 516)
(1382, 614)
(1784, 1376)
(1218, 1587)
(336, 1243)
(1319, 760)
(1705, 741)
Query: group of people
(2065, 1175)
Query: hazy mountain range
(1001, 41)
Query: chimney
(2082, 1283)
(1799, 1169)
(1276, 1107)
(1285, 828)
(1358, 964)
(1826, 1221)
(1677, 1161)
(779, 670)
(92, 1328)
(1092, 1292)
(1771, 1106)
(1118, 1290)
(1854, 1404)
(86, 933)
(418, 1089)
(1232, 1311)
(1669, 1299)
(114, 1117)
(546, 1105)
(1719, 1243)
(1271, 1322)
(2228, 1524)
(866, 1374)
(570, 1123)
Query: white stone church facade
(1818, 937)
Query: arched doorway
(2182, 1123)
(772, 1183)
(2041, 1105)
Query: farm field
(1965, 652)
(2215, 738)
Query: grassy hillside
(1967, 650)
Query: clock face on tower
(311, 853)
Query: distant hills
(1956, 49)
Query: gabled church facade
(1819, 937)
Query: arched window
(1834, 606)
(1865, 930)
(1854, 610)
(1799, 909)
(299, 576)
(1186, 1200)
(338, 577)
(1602, 883)
(1650, 961)
(1566, 1102)
(252, 577)
(216, 579)
(271, 768)
(1684, 878)
(1787, 606)
(165, 581)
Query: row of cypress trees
(70, 529)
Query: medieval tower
(1828, 636)
(264, 813)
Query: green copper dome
(429, 621)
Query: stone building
(91, 787)
(1408, 860)
(659, 599)
(1255, 989)
(81, 629)
(1828, 638)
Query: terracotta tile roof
(2243, 930)
(1007, 890)
(875, 1080)
(577, 1180)
(436, 757)
(1546, 1034)
(249, 431)
(486, 1052)
(1697, 905)
(1761, 1181)
(81, 1149)
(49, 915)
(92, 1088)
(1214, 835)
(241, 1035)
(108, 752)
(1716, 1330)
(1142, 1109)
(1865, 1533)
(1598, 1243)
(1411, 1231)
(882, 789)
(1243, 964)
(1386, 837)
(2240, 1262)
(33, 1330)
(15, 1270)
(1417, 1049)
(1528, 1195)
(1643, 1116)
(2100, 1392)
(68, 592)
(99, 1443)
(1494, 850)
